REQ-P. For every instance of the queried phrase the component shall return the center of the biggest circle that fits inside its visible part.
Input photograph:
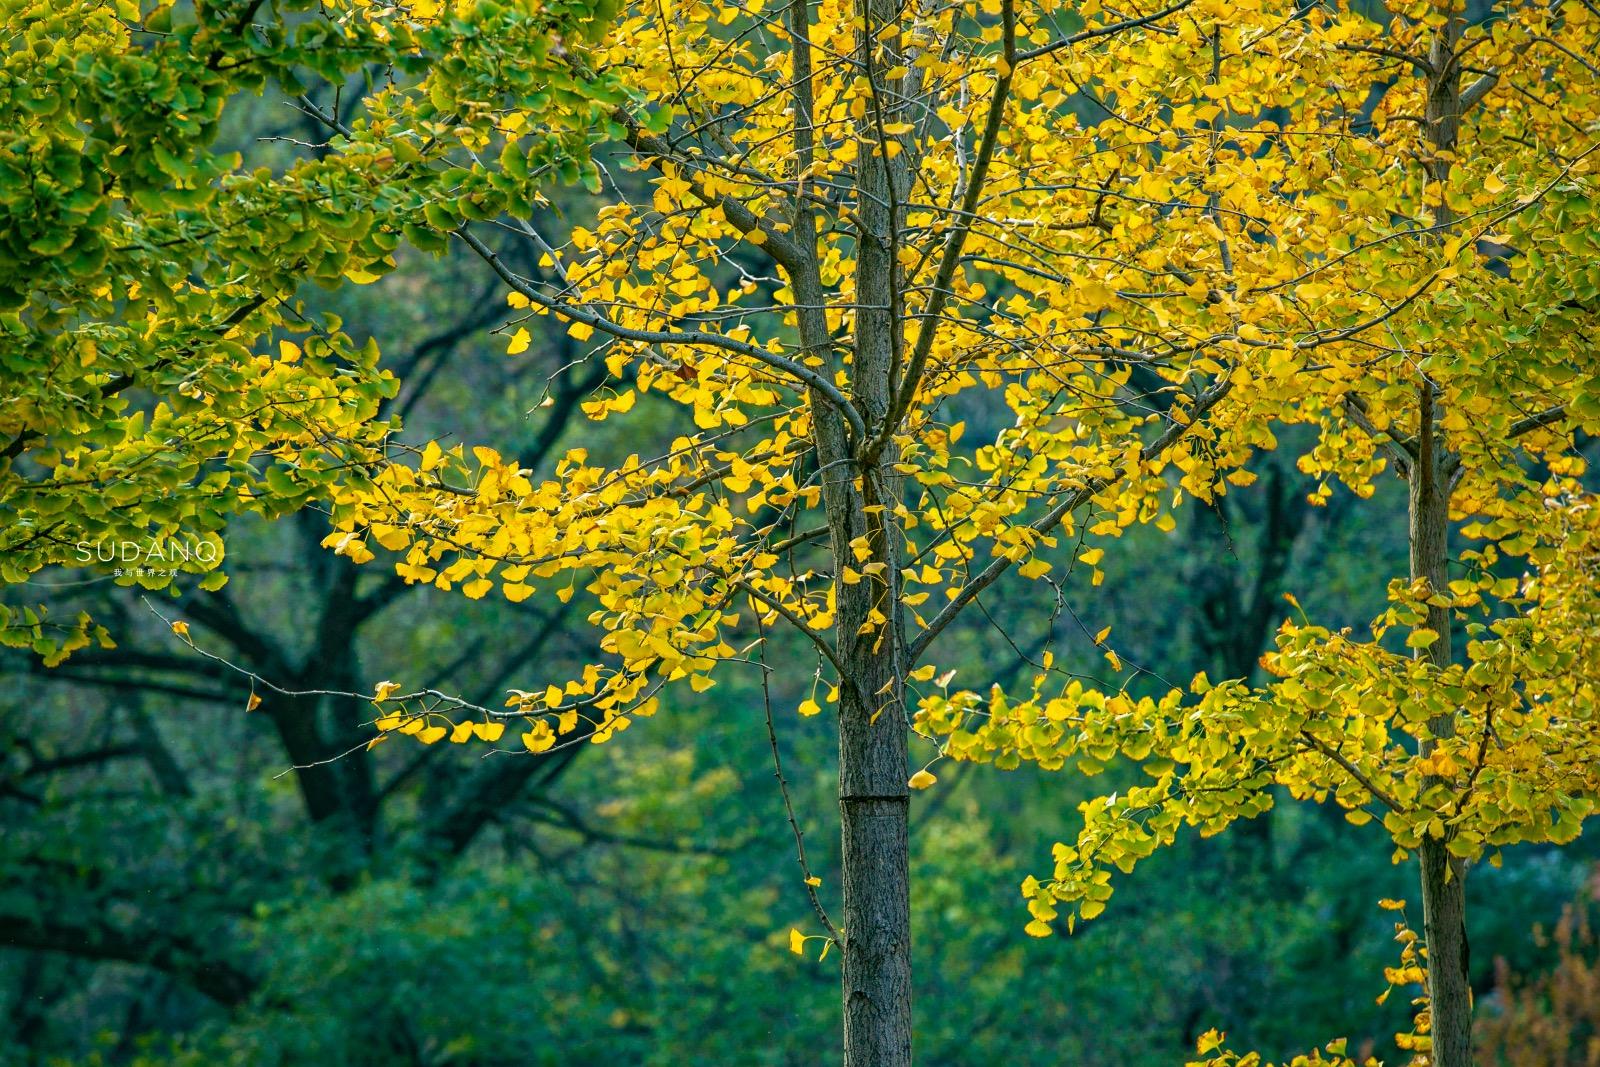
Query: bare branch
(1104, 31)
(788, 805)
(1350, 768)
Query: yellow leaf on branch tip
(180, 628)
(432, 456)
(797, 942)
(519, 342)
(1421, 638)
(922, 779)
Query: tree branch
(987, 577)
(168, 953)
(955, 243)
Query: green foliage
(162, 373)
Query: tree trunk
(870, 631)
(1444, 906)
(873, 804)
(873, 770)
(861, 494)
(1444, 924)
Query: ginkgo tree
(1437, 177)
(853, 218)
(826, 231)
(1147, 236)
(161, 370)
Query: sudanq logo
(148, 553)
